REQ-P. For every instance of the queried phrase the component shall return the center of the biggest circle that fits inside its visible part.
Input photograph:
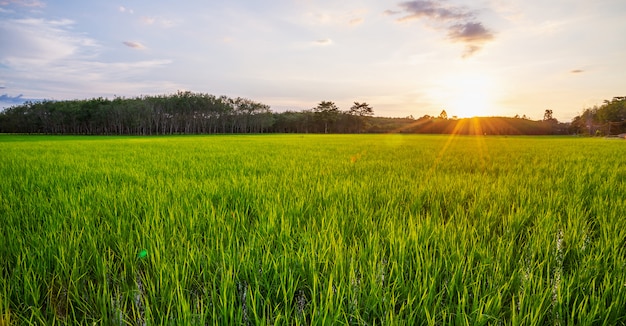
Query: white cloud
(158, 21)
(337, 17)
(126, 10)
(49, 59)
(507, 9)
(317, 18)
(81, 79)
(40, 41)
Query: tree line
(606, 119)
(180, 113)
(198, 113)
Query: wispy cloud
(508, 9)
(75, 78)
(432, 10)
(577, 71)
(158, 21)
(469, 32)
(134, 45)
(460, 23)
(472, 34)
(126, 10)
(323, 42)
(37, 41)
(148, 20)
(355, 21)
(23, 3)
(50, 59)
(333, 18)
(316, 18)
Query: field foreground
(312, 229)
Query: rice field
(312, 230)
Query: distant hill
(484, 126)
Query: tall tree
(547, 115)
(361, 111)
(326, 112)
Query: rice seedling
(312, 229)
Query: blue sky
(489, 57)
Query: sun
(467, 95)
(471, 99)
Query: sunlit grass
(312, 229)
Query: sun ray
(480, 143)
(451, 137)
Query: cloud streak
(165, 23)
(460, 23)
(323, 42)
(432, 10)
(23, 3)
(134, 45)
(355, 21)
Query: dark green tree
(326, 112)
(361, 111)
(612, 114)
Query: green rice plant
(312, 229)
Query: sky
(470, 58)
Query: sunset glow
(466, 95)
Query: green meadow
(312, 230)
